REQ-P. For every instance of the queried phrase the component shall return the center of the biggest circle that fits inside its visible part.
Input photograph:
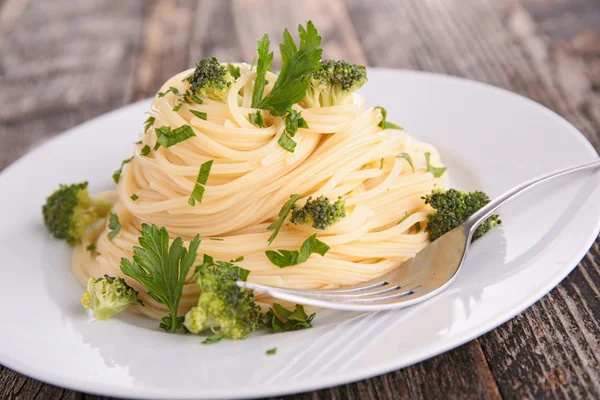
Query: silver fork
(427, 274)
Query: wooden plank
(79, 66)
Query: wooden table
(63, 62)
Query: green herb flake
(272, 351)
(117, 174)
(146, 150)
(384, 123)
(403, 218)
(148, 123)
(201, 180)
(113, 225)
(199, 114)
(283, 213)
(257, 119)
(214, 338)
(91, 247)
(167, 137)
(234, 70)
(134, 197)
(435, 171)
(418, 227)
(286, 142)
(280, 319)
(408, 158)
(177, 107)
(286, 258)
(217, 239)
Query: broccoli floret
(321, 212)
(223, 307)
(453, 207)
(211, 79)
(108, 296)
(70, 210)
(334, 83)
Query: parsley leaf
(408, 159)
(289, 321)
(216, 337)
(293, 121)
(418, 227)
(217, 239)
(435, 171)
(167, 137)
(292, 82)
(114, 225)
(384, 123)
(272, 351)
(145, 150)
(171, 89)
(257, 119)
(148, 123)
(201, 180)
(199, 114)
(264, 62)
(403, 218)
(162, 270)
(91, 247)
(134, 197)
(234, 70)
(117, 174)
(287, 258)
(283, 213)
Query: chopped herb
(257, 119)
(286, 142)
(435, 171)
(113, 225)
(216, 337)
(264, 62)
(199, 114)
(117, 174)
(403, 218)
(297, 62)
(201, 180)
(148, 123)
(167, 137)
(408, 159)
(195, 98)
(134, 197)
(418, 227)
(177, 107)
(384, 123)
(289, 321)
(240, 258)
(171, 89)
(217, 239)
(286, 258)
(381, 163)
(272, 351)
(146, 150)
(283, 213)
(234, 70)
(91, 247)
(162, 270)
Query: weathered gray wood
(63, 62)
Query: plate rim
(348, 376)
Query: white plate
(489, 138)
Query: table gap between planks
(64, 62)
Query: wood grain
(64, 62)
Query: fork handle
(485, 212)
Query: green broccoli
(453, 207)
(211, 79)
(108, 296)
(334, 83)
(223, 307)
(321, 212)
(70, 210)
